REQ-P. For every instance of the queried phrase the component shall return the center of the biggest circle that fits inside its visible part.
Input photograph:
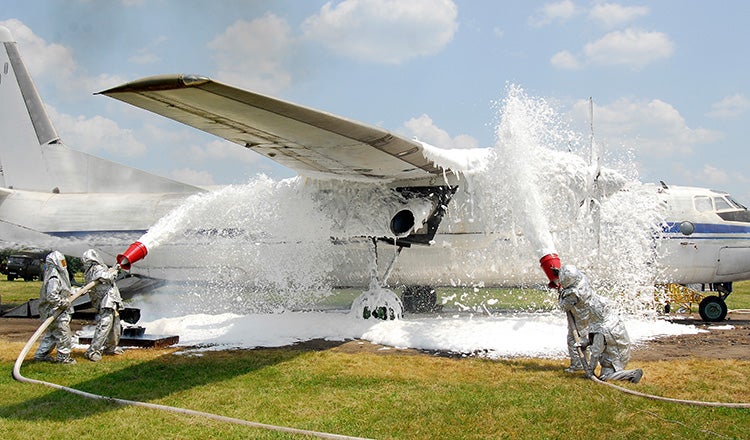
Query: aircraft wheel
(712, 309)
(419, 299)
(379, 304)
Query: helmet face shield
(55, 264)
(569, 276)
(91, 257)
(55, 259)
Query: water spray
(524, 195)
(164, 228)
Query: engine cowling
(402, 223)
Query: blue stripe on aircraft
(709, 228)
(80, 234)
(669, 228)
(204, 232)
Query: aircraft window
(736, 203)
(721, 204)
(703, 203)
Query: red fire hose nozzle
(137, 251)
(551, 267)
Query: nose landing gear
(378, 301)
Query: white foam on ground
(537, 335)
(722, 327)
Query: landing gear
(712, 309)
(378, 301)
(419, 299)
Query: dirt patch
(21, 329)
(729, 339)
(725, 340)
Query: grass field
(367, 394)
(18, 291)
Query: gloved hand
(121, 273)
(63, 304)
(582, 344)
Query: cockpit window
(736, 203)
(703, 203)
(722, 205)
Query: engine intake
(402, 223)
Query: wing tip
(158, 82)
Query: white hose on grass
(669, 399)
(590, 374)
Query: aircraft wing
(311, 142)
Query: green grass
(468, 298)
(365, 394)
(18, 291)
(514, 299)
(740, 296)
(13, 293)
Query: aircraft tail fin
(32, 156)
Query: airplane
(704, 244)
(410, 194)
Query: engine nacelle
(402, 223)
(420, 215)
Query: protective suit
(605, 340)
(105, 297)
(54, 295)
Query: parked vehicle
(24, 266)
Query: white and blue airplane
(54, 197)
(705, 242)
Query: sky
(669, 79)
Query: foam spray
(272, 245)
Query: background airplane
(56, 197)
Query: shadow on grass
(533, 365)
(148, 381)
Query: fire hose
(42, 328)
(590, 374)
